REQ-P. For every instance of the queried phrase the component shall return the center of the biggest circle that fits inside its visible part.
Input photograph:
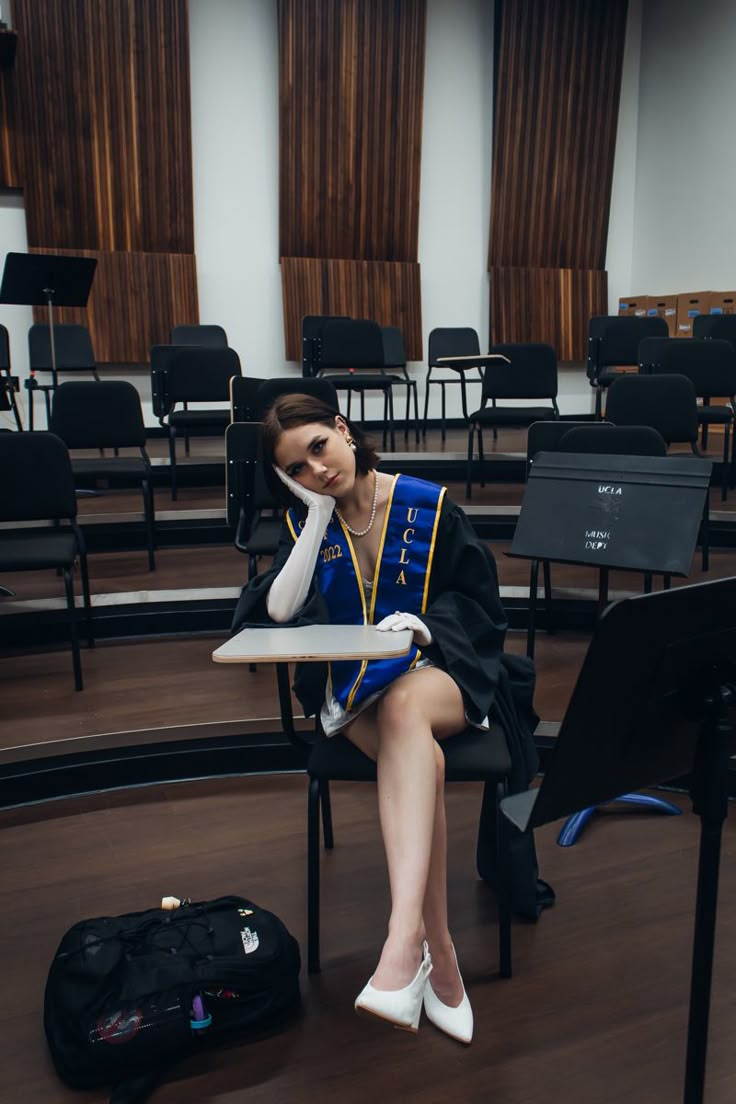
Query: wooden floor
(596, 1010)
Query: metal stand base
(574, 824)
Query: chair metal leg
(705, 533)
(413, 386)
(313, 803)
(390, 397)
(84, 573)
(726, 452)
(71, 607)
(548, 606)
(503, 860)
(148, 515)
(444, 412)
(471, 433)
(481, 458)
(326, 805)
(531, 625)
(426, 405)
(172, 460)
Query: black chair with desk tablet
(352, 358)
(107, 415)
(181, 375)
(512, 372)
(455, 349)
(38, 486)
(711, 367)
(613, 343)
(667, 403)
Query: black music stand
(50, 280)
(611, 512)
(655, 699)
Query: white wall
(17, 319)
(235, 127)
(685, 210)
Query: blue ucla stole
(400, 582)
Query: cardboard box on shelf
(689, 305)
(632, 306)
(723, 302)
(664, 306)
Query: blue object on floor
(574, 824)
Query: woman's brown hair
(297, 409)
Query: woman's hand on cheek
(322, 504)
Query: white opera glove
(323, 504)
(289, 590)
(397, 621)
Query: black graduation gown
(468, 626)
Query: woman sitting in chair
(361, 547)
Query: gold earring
(349, 440)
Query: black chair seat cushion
(715, 415)
(264, 538)
(512, 415)
(181, 419)
(474, 755)
(33, 551)
(106, 466)
(362, 383)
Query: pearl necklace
(369, 526)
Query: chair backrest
(394, 353)
(611, 440)
(312, 340)
(447, 341)
(270, 390)
(615, 341)
(243, 395)
(665, 402)
(546, 436)
(213, 337)
(532, 373)
(37, 482)
(711, 365)
(72, 344)
(351, 343)
(716, 326)
(199, 374)
(4, 349)
(106, 414)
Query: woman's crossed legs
(400, 732)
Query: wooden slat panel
(10, 171)
(557, 85)
(547, 304)
(386, 292)
(351, 78)
(135, 300)
(558, 79)
(102, 93)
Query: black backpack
(127, 996)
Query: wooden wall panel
(351, 80)
(547, 304)
(385, 291)
(557, 85)
(10, 171)
(135, 301)
(103, 152)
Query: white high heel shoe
(400, 1007)
(455, 1022)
